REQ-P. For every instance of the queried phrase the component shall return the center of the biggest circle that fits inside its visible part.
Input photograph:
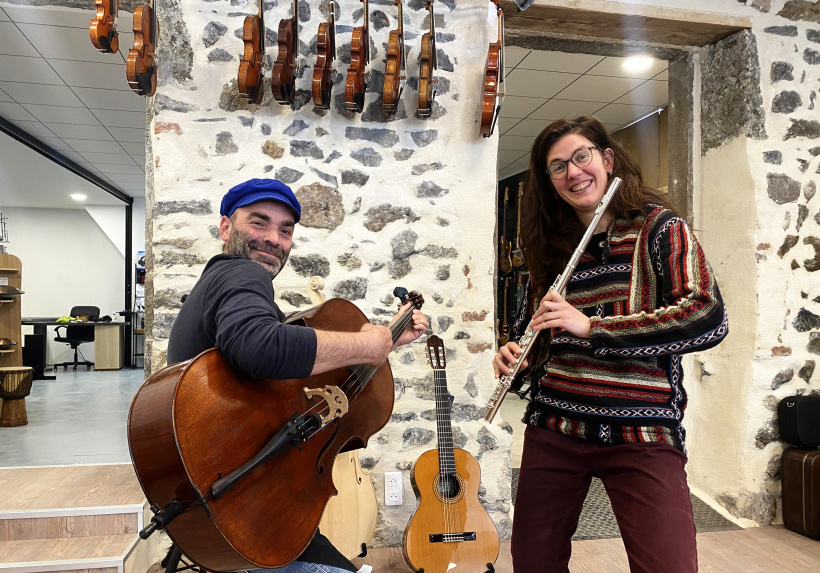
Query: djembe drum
(15, 385)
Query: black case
(799, 420)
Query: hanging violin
(326, 49)
(283, 77)
(355, 81)
(493, 78)
(427, 65)
(394, 71)
(251, 66)
(103, 28)
(141, 67)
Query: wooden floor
(770, 549)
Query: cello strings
(359, 370)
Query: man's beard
(238, 244)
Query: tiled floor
(79, 418)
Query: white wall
(67, 260)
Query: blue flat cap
(255, 190)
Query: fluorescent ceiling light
(637, 64)
(78, 196)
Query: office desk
(108, 340)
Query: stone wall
(386, 201)
(760, 226)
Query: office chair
(76, 334)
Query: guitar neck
(446, 458)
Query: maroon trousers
(646, 484)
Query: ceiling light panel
(614, 67)
(13, 43)
(559, 62)
(522, 82)
(42, 94)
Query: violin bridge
(335, 398)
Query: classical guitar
(493, 79)
(394, 71)
(251, 66)
(326, 53)
(141, 66)
(350, 516)
(357, 75)
(237, 469)
(427, 67)
(103, 28)
(450, 532)
(283, 76)
(517, 254)
(504, 258)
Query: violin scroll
(103, 28)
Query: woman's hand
(555, 312)
(506, 357)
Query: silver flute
(528, 338)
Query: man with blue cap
(232, 307)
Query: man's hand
(555, 312)
(378, 342)
(415, 328)
(506, 357)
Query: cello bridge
(335, 399)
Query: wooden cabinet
(11, 274)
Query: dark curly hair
(550, 229)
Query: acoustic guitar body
(193, 423)
(447, 517)
(350, 516)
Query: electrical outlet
(392, 488)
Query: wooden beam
(608, 20)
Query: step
(82, 519)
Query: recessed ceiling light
(637, 64)
(78, 196)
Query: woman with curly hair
(606, 377)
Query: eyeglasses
(581, 158)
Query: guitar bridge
(452, 537)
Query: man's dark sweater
(232, 307)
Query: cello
(493, 78)
(141, 67)
(250, 76)
(283, 76)
(427, 66)
(103, 28)
(326, 53)
(355, 80)
(220, 455)
(394, 71)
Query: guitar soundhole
(449, 487)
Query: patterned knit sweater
(651, 296)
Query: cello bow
(141, 67)
(394, 72)
(322, 83)
(103, 28)
(427, 66)
(251, 67)
(493, 78)
(283, 76)
(356, 78)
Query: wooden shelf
(2, 300)
(6, 270)
(6, 351)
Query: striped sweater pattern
(651, 296)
